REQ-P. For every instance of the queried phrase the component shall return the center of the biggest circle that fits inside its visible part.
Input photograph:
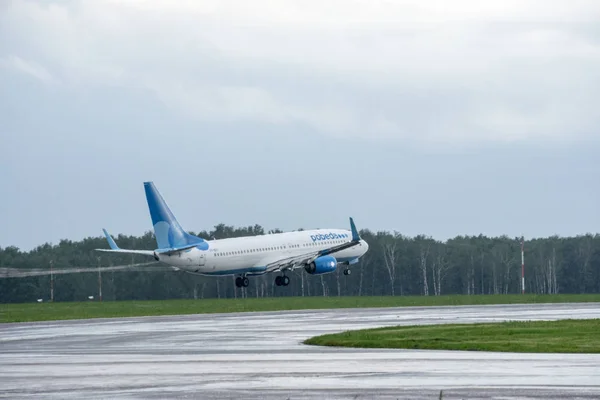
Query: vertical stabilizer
(168, 232)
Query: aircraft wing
(299, 261)
(21, 273)
(116, 249)
(125, 251)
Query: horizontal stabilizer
(173, 250)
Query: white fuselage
(250, 255)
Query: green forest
(395, 265)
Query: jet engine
(322, 265)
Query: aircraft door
(202, 259)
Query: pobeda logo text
(329, 236)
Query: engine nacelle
(322, 265)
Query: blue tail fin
(168, 232)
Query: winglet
(355, 235)
(110, 240)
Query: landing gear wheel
(285, 280)
(347, 272)
(245, 282)
(278, 280)
(239, 281)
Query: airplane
(316, 251)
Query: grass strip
(27, 312)
(564, 336)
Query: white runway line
(260, 356)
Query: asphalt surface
(260, 356)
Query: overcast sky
(434, 117)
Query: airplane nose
(365, 245)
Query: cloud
(15, 63)
(419, 71)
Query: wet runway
(260, 356)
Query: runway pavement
(260, 356)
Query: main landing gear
(347, 271)
(242, 281)
(282, 280)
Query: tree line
(395, 265)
